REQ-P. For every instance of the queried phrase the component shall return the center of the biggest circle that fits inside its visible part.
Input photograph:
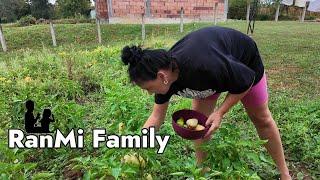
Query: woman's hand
(157, 116)
(214, 121)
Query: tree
(11, 10)
(237, 9)
(71, 8)
(41, 9)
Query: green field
(86, 86)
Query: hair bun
(131, 55)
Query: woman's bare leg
(205, 106)
(268, 130)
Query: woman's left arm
(234, 77)
(214, 120)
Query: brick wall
(163, 8)
(128, 8)
(192, 8)
(102, 9)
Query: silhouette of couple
(30, 121)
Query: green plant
(237, 9)
(27, 21)
(98, 95)
(72, 8)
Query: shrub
(42, 21)
(237, 9)
(264, 17)
(311, 17)
(27, 21)
(73, 21)
(288, 18)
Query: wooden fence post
(53, 35)
(277, 13)
(215, 12)
(304, 13)
(99, 30)
(181, 19)
(148, 8)
(248, 11)
(226, 9)
(143, 28)
(110, 13)
(3, 41)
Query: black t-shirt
(214, 60)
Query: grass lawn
(86, 86)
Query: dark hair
(46, 113)
(29, 105)
(145, 64)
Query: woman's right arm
(157, 116)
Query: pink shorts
(257, 95)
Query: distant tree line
(266, 10)
(13, 10)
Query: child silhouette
(29, 120)
(46, 120)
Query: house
(160, 9)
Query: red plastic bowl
(188, 133)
